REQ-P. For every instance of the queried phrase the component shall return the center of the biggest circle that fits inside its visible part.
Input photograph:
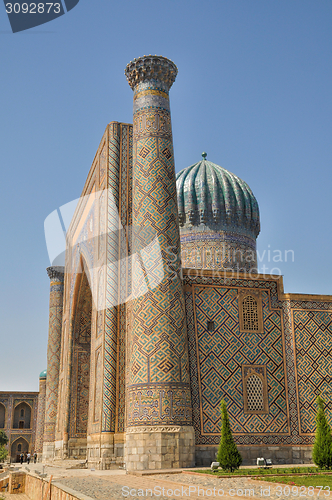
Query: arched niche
(20, 445)
(255, 389)
(22, 416)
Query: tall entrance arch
(80, 369)
(19, 446)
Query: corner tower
(159, 431)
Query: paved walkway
(173, 486)
(116, 484)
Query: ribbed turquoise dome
(210, 195)
(43, 374)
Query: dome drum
(218, 250)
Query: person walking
(21, 458)
(28, 458)
(35, 458)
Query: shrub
(322, 451)
(228, 455)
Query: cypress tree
(228, 455)
(322, 451)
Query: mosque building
(160, 313)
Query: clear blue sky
(253, 90)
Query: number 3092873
(33, 8)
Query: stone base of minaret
(48, 451)
(159, 447)
(105, 450)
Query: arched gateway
(18, 446)
(80, 369)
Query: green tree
(3, 454)
(3, 442)
(3, 438)
(322, 451)
(228, 455)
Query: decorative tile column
(56, 275)
(41, 414)
(159, 432)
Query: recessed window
(22, 416)
(19, 447)
(255, 396)
(210, 326)
(250, 311)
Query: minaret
(56, 275)
(40, 414)
(159, 432)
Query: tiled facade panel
(221, 354)
(118, 273)
(313, 350)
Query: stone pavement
(116, 484)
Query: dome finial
(204, 155)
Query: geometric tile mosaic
(221, 356)
(307, 341)
(119, 188)
(313, 348)
(80, 380)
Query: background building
(18, 418)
